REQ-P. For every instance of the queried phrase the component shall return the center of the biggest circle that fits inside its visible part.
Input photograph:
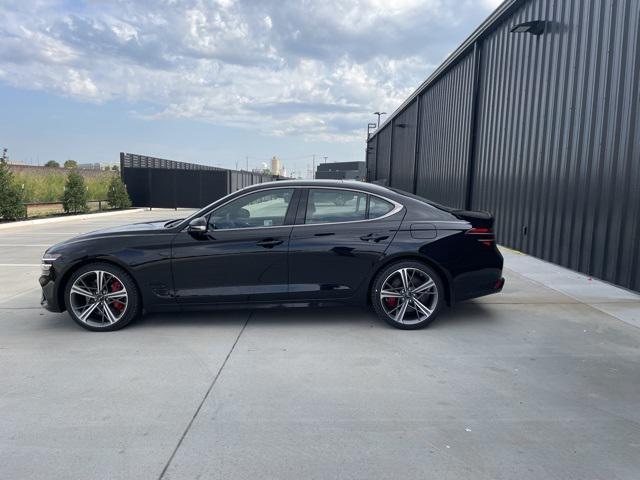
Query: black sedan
(281, 243)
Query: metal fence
(161, 183)
(539, 128)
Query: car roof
(369, 187)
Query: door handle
(372, 237)
(269, 242)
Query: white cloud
(492, 4)
(285, 68)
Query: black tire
(387, 274)
(133, 306)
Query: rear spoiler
(476, 218)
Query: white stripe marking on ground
(22, 245)
(20, 264)
(26, 234)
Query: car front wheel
(102, 297)
(407, 295)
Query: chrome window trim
(397, 207)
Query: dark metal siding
(403, 154)
(157, 182)
(556, 150)
(137, 181)
(169, 188)
(558, 138)
(443, 150)
(384, 155)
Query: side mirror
(198, 225)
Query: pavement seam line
(590, 305)
(204, 399)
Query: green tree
(11, 207)
(117, 196)
(115, 168)
(74, 198)
(52, 164)
(70, 164)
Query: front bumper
(49, 300)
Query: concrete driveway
(539, 382)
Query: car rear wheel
(102, 297)
(407, 295)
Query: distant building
(276, 166)
(341, 171)
(95, 166)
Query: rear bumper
(487, 284)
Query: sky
(218, 82)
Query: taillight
(484, 235)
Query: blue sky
(214, 81)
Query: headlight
(47, 260)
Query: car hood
(122, 230)
(144, 227)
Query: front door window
(261, 209)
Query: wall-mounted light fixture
(535, 27)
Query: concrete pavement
(541, 381)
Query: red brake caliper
(115, 287)
(391, 301)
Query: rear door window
(378, 207)
(335, 205)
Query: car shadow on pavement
(277, 316)
(464, 314)
(469, 313)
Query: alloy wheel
(409, 296)
(98, 298)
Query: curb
(84, 216)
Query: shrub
(75, 193)
(70, 164)
(11, 207)
(117, 196)
(52, 164)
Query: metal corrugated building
(541, 128)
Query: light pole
(379, 114)
(370, 126)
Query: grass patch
(49, 186)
